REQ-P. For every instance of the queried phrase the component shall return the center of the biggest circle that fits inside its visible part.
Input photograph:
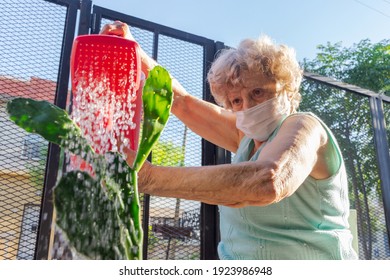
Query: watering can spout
(107, 90)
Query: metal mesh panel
(29, 62)
(174, 224)
(348, 116)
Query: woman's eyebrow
(264, 88)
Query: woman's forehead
(252, 80)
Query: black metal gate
(43, 31)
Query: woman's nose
(248, 104)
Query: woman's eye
(236, 101)
(257, 92)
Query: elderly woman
(285, 195)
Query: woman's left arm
(295, 153)
(281, 168)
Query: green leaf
(157, 100)
(49, 121)
(88, 217)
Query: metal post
(85, 17)
(383, 156)
(146, 208)
(211, 155)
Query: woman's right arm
(211, 122)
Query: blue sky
(302, 24)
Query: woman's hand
(144, 173)
(117, 28)
(121, 29)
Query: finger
(116, 28)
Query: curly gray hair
(277, 62)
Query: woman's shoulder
(305, 116)
(329, 152)
(305, 120)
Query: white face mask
(261, 120)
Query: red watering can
(106, 87)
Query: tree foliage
(168, 154)
(365, 64)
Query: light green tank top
(310, 224)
